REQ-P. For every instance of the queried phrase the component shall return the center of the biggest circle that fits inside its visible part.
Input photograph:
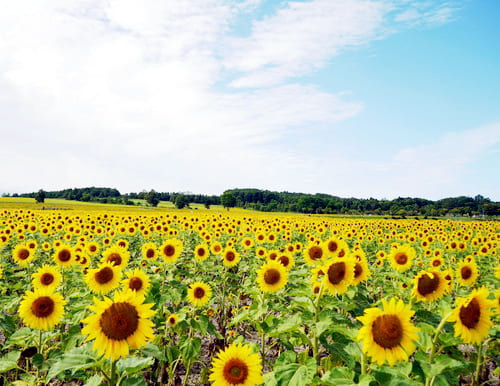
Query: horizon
(358, 98)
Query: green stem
(316, 315)
(188, 371)
(113, 375)
(430, 381)
(40, 343)
(477, 374)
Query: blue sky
(362, 98)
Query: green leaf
(287, 325)
(190, 349)
(296, 374)
(22, 337)
(152, 350)
(134, 381)
(78, 358)
(338, 376)
(94, 380)
(132, 365)
(9, 361)
(37, 361)
(442, 363)
(366, 380)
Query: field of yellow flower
(94, 294)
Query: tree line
(271, 201)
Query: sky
(354, 98)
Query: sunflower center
(135, 284)
(336, 272)
(115, 258)
(235, 371)
(272, 276)
(217, 248)
(150, 253)
(470, 315)
(47, 278)
(199, 292)
(284, 260)
(23, 254)
(387, 331)
(342, 253)
(436, 263)
(93, 248)
(332, 246)
(427, 285)
(42, 307)
(171, 320)
(201, 252)
(169, 250)
(230, 256)
(358, 270)
(466, 272)
(315, 253)
(64, 255)
(104, 275)
(401, 258)
(119, 321)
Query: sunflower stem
(477, 373)
(112, 375)
(188, 371)
(40, 343)
(316, 315)
(436, 335)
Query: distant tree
(228, 200)
(152, 198)
(40, 196)
(181, 201)
(207, 205)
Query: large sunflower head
(429, 285)
(170, 250)
(63, 255)
(116, 255)
(119, 324)
(216, 248)
(47, 276)
(42, 309)
(137, 281)
(387, 334)
(149, 251)
(313, 253)
(199, 294)
(103, 279)
(236, 365)
(230, 257)
(201, 252)
(272, 276)
(361, 271)
(339, 275)
(401, 257)
(23, 255)
(472, 316)
(467, 273)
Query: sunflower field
(194, 297)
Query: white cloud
(128, 94)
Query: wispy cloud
(129, 94)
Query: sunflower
(230, 257)
(119, 324)
(448, 277)
(42, 309)
(22, 255)
(199, 294)
(388, 335)
(467, 273)
(47, 276)
(149, 251)
(286, 259)
(137, 281)
(216, 248)
(313, 253)
(361, 271)
(472, 316)
(429, 286)
(172, 320)
(436, 262)
(103, 279)
(381, 255)
(336, 247)
(236, 365)
(92, 248)
(497, 299)
(261, 252)
(339, 274)
(63, 255)
(272, 276)
(201, 252)
(247, 242)
(171, 250)
(401, 257)
(116, 255)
